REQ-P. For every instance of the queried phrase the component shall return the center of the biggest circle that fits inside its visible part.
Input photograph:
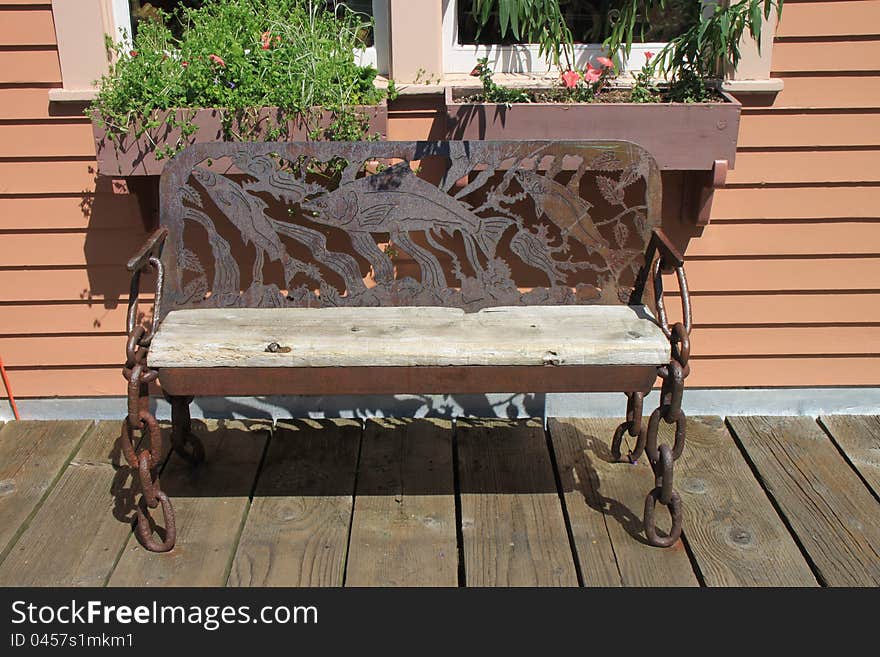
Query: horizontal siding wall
(63, 238)
(786, 279)
(785, 282)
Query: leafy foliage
(534, 21)
(238, 55)
(700, 53)
(705, 48)
(494, 92)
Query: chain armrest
(146, 256)
(671, 256)
(151, 248)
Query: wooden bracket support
(700, 189)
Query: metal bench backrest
(472, 224)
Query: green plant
(644, 89)
(710, 44)
(533, 21)
(494, 92)
(238, 55)
(699, 53)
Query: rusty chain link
(141, 439)
(661, 456)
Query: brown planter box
(136, 156)
(680, 136)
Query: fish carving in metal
(395, 200)
(326, 211)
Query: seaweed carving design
(496, 209)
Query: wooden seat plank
(826, 504)
(513, 528)
(730, 525)
(859, 438)
(403, 529)
(32, 456)
(296, 532)
(77, 534)
(210, 501)
(409, 336)
(598, 490)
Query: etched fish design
(567, 210)
(396, 200)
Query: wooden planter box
(137, 156)
(680, 136)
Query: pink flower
(133, 53)
(217, 60)
(571, 78)
(648, 56)
(592, 74)
(604, 61)
(266, 39)
(184, 64)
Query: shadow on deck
(767, 501)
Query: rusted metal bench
(420, 267)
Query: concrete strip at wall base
(752, 401)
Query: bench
(406, 267)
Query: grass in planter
(240, 55)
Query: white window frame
(376, 55)
(524, 58)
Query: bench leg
(183, 441)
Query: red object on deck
(8, 389)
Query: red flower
(648, 56)
(604, 61)
(476, 71)
(592, 74)
(571, 78)
(217, 60)
(266, 40)
(184, 64)
(133, 53)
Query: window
(589, 20)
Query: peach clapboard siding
(785, 281)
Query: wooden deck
(768, 501)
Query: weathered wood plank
(78, 532)
(32, 457)
(210, 502)
(859, 437)
(406, 336)
(826, 504)
(296, 533)
(513, 529)
(616, 493)
(588, 524)
(731, 527)
(403, 528)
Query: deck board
(859, 438)
(32, 457)
(513, 529)
(81, 528)
(615, 492)
(210, 502)
(403, 528)
(767, 501)
(730, 525)
(829, 508)
(296, 533)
